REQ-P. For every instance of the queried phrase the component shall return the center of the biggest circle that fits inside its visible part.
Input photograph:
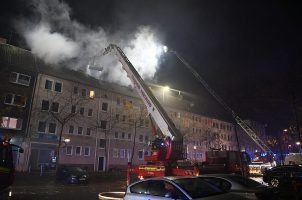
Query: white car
(184, 188)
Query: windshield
(75, 169)
(6, 157)
(197, 188)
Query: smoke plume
(57, 39)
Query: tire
(274, 182)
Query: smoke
(55, 37)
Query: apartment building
(102, 125)
(18, 76)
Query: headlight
(73, 177)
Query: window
(140, 155)
(164, 189)
(42, 127)
(14, 99)
(129, 136)
(141, 122)
(84, 92)
(69, 150)
(75, 90)
(104, 107)
(116, 135)
(103, 124)
(140, 188)
(86, 151)
(78, 150)
(88, 131)
(71, 129)
(123, 135)
(55, 107)
(58, 87)
(91, 94)
(90, 112)
(124, 118)
(11, 123)
(146, 122)
(115, 153)
(146, 139)
(102, 143)
(141, 138)
(117, 117)
(122, 153)
(52, 128)
(80, 130)
(73, 109)
(82, 110)
(45, 105)
(48, 84)
(18, 78)
(118, 101)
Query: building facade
(100, 125)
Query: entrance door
(101, 166)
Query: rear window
(197, 188)
(245, 181)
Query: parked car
(69, 174)
(283, 176)
(238, 184)
(185, 188)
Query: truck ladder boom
(154, 108)
(249, 131)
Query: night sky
(247, 51)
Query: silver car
(184, 188)
(245, 187)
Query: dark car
(245, 187)
(69, 174)
(283, 176)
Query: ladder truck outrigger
(167, 148)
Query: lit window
(86, 151)
(52, 128)
(91, 94)
(11, 123)
(69, 150)
(78, 150)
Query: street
(45, 187)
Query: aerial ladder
(168, 146)
(249, 131)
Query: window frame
(71, 150)
(86, 147)
(18, 77)
(12, 103)
(48, 128)
(75, 151)
(45, 131)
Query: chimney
(2, 40)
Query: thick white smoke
(54, 37)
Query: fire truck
(167, 148)
(7, 170)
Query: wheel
(274, 182)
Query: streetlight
(298, 143)
(195, 147)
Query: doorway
(101, 166)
